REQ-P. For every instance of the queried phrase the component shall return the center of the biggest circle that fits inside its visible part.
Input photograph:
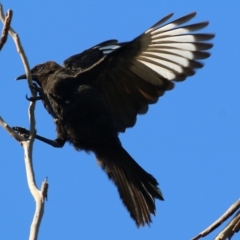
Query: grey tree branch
(10, 130)
(27, 143)
(230, 229)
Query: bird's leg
(58, 143)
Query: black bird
(98, 93)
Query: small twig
(237, 225)
(44, 188)
(219, 221)
(6, 27)
(15, 135)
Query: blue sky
(189, 140)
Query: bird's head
(41, 72)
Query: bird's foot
(22, 131)
(39, 90)
(33, 99)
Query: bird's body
(85, 113)
(85, 121)
(100, 92)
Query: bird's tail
(137, 188)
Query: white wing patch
(108, 49)
(160, 70)
(171, 50)
(175, 45)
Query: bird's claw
(36, 88)
(22, 131)
(33, 99)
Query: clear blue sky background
(189, 140)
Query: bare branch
(6, 27)
(27, 143)
(230, 229)
(16, 136)
(219, 221)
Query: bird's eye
(39, 68)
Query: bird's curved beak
(21, 77)
(24, 76)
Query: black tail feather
(137, 188)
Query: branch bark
(230, 229)
(6, 27)
(27, 143)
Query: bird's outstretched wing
(134, 74)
